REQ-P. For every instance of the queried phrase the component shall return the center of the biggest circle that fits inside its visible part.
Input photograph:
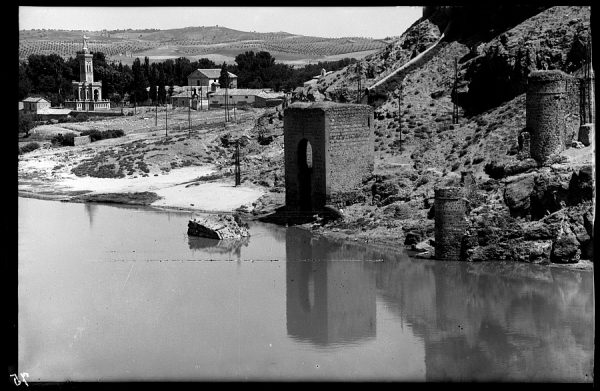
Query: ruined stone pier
(547, 104)
(328, 150)
(450, 222)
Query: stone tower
(450, 222)
(546, 104)
(86, 67)
(87, 92)
(328, 150)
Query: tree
(24, 83)
(162, 92)
(25, 123)
(224, 78)
(153, 80)
(139, 82)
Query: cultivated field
(193, 43)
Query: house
(210, 78)
(35, 105)
(246, 97)
(315, 79)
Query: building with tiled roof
(35, 104)
(246, 96)
(210, 78)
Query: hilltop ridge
(218, 42)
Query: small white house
(35, 105)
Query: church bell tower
(86, 69)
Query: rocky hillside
(417, 146)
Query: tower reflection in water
(330, 298)
(488, 321)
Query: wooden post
(237, 163)
(454, 87)
(359, 80)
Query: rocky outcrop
(498, 70)
(517, 195)
(561, 237)
(218, 227)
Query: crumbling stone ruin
(555, 115)
(328, 150)
(450, 222)
(546, 103)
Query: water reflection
(478, 321)
(232, 247)
(90, 210)
(84, 316)
(492, 321)
(327, 301)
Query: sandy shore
(179, 188)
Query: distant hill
(214, 42)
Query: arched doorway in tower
(305, 168)
(95, 95)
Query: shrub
(67, 140)
(478, 160)
(81, 117)
(29, 147)
(96, 135)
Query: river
(114, 293)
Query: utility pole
(166, 120)
(237, 163)
(156, 114)
(190, 114)
(358, 69)
(227, 97)
(400, 112)
(454, 87)
(200, 100)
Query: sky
(329, 22)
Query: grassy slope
(431, 150)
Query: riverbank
(193, 171)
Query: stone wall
(351, 150)
(341, 139)
(450, 222)
(81, 140)
(547, 104)
(572, 110)
(299, 124)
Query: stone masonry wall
(572, 110)
(351, 150)
(341, 138)
(81, 140)
(304, 123)
(450, 222)
(547, 104)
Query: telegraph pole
(189, 114)
(454, 87)
(227, 97)
(156, 114)
(358, 69)
(400, 112)
(166, 120)
(237, 163)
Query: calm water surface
(122, 293)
